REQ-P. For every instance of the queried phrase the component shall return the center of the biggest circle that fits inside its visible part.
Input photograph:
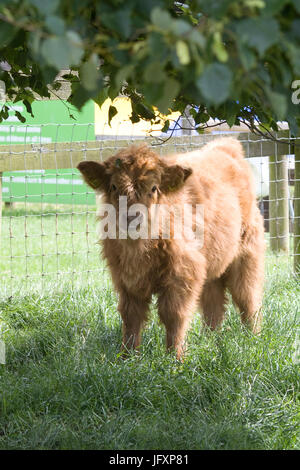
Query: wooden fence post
(297, 211)
(272, 203)
(279, 203)
(0, 205)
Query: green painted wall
(51, 123)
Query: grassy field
(64, 386)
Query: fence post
(0, 204)
(187, 122)
(279, 203)
(297, 211)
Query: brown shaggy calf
(183, 273)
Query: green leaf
(247, 56)
(157, 47)
(193, 112)
(49, 73)
(143, 111)
(89, 74)
(219, 48)
(55, 53)
(7, 32)
(112, 92)
(154, 72)
(122, 74)
(45, 7)
(215, 8)
(161, 18)
(74, 44)
(201, 118)
(294, 55)
(180, 27)
(166, 126)
(295, 29)
(255, 3)
(55, 25)
(134, 117)
(296, 4)
(101, 96)
(170, 91)
(293, 125)
(28, 107)
(278, 103)
(231, 111)
(196, 37)
(183, 52)
(79, 95)
(20, 117)
(62, 51)
(111, 113)
(153, 93)
(119, 20)
(231, 120)
(4, 112)
(34, 43)
(272, 7)
(259, 33)
(215, 83)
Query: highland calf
(184, 272)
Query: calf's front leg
(133, 311)
(175, 308)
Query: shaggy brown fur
(177, 271)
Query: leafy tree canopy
(235, 60)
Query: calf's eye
(154, 188)
(113, 187)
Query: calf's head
(136, 176)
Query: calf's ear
(173, 177)
(94, 174)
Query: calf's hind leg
(213, 302)
(245, 277)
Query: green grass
(64, 386)
(43, 249)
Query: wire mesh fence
(48, 236)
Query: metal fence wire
(48, 235)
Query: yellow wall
(120, 123)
